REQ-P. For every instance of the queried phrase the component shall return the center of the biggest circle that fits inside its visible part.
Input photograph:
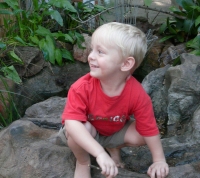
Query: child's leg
(83, 158)
(115, 155)
(132, 138)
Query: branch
(127, 5)
(157, 10)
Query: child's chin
(93, 74)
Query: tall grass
(9, 112)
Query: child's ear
(128, 64)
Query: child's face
(105, 58)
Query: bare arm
(155, 146)
(77, 131)
(159, 167)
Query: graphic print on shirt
(109, 119)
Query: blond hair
(131, 41)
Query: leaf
(100, 8)
(186, 4)
(11, 73)
(172, 31)
(147, 2)
(181, 2)
(180, 37)
(6, 12)
(162, 28)
(34, 39)
(176, 61)
(197, 21)
(67, 55)
(35, 4)
(174, 9)
(42, 31)
(3, 5)
(195, 52)
(188, 25)
(58, 56)
(13, 4)
(194, 43)
(87, 10)
(63, 4)
(196, 7)
(68, 38)
(2, 45)
(166, 38)
(14, 57)
(80, 39)
(50, 47)
(43, 48)
(56, 15)
(17, 38)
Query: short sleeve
(144, 116)
(76, 106)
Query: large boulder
(175, 91)
(51, 81)
(27, 152)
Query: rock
(172, 52)
(183, 86)
(82, 54)
(33, 61)
(31, 151)
(178, 97)
(46, 114)
(51, 81)
(27, 152)
(194, 128)
(154, 85)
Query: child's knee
(133, 138)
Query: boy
(99, 105)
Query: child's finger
(103, 170)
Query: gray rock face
(183, 85)
(33, 61)
(51, 81)
(175, 91)
(27, 152)
(46, 114)
(82, 54)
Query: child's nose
(91, 56)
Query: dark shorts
(112, 141)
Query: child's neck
(113, 88)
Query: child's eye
(100, 52)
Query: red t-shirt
(87, 102)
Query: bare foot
(115, 155)
(82, 170)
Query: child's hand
(158, 169)
(107, 165)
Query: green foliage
(147, 2)
(36, 27)
(8, 109)
(31, 27)
(185, 27)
